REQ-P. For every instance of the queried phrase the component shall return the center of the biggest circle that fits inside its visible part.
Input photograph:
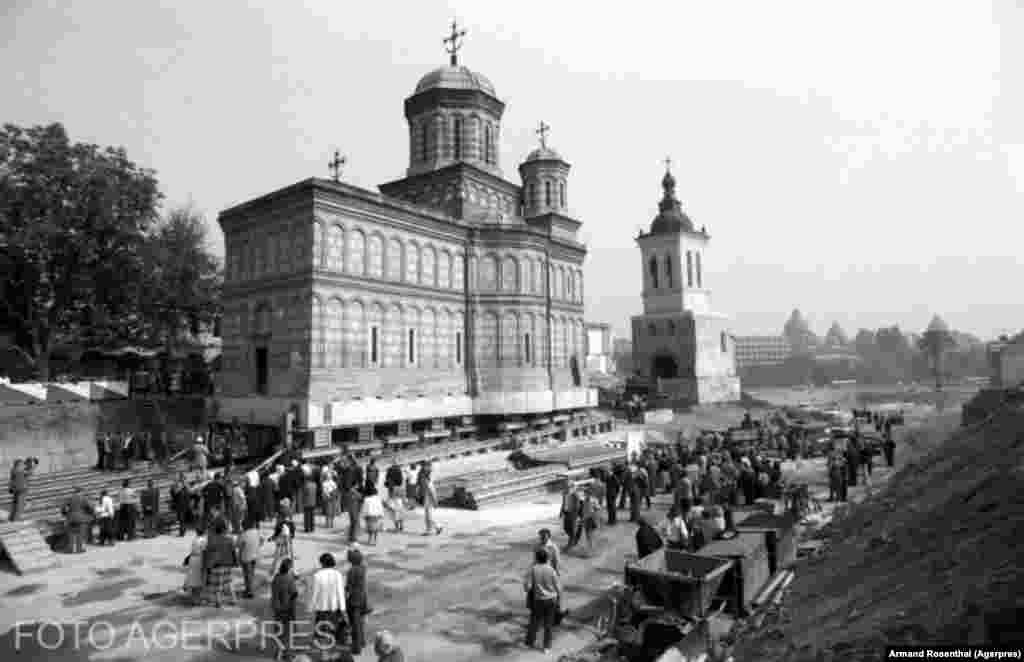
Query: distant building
(598, 344)
(759, 351)
(1006, 363)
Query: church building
(679, 344)
(450, 299)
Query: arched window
(547, 194)
(668, 270)
(561, 195)
(697, 256)
(487, 143)
(725, 343)
(532, 199)
(424, 138)
(653, 267)
(457, 136)
(689, 268)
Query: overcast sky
(863, 161)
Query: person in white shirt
(677, 536)
(327, 602)
(105, 516)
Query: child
(396, 506)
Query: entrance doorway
(664, 366)
(261, 370)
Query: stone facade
(679, 342)
(440, 296)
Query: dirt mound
(934, 559)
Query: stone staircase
(47, 492)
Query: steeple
(670, 218)
(453, 43)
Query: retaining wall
(63, 435)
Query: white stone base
(269, 411)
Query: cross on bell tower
(453, 43)
(336, 164)
(668, 164)
(542, 131)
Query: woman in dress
(373, 513)
(396, 506)
(195, 578)
(331, 498)
(591, 507)
(284, 534)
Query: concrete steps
(47, 492)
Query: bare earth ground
(455, 597)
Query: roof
(456, 77)
(543, 153)
(670, 218)
(938, 324)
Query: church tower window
(561, 195)
(653, 266)
(668, 270)
(487, 143)
(526, 348)
(725, 343)
(652, 330)
(412, 347)
(374, 345)
(532, 199)
(697, 256)
(457, 137)
(424, 138)
(547, 194)
(689, 268)
(458, 348)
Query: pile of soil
(933, 559)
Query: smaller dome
(543, 154)
(455, 78)
(671, 218)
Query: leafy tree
(73, 218)
(935, 342)
(183, 279)
(865, 343)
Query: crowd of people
(115, 451)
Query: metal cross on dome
(542, 131)
(452, 43)
(668, 163)
(336, 165)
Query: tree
(73, 218)
(935, 342)
(799, 334)
(183, 278)
(865, 343)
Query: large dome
(455, 78)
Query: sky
(861, 161)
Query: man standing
(429, 502)
(239, 505)
(18, 488)
(309, 498)
(543, 594)
(78, 515)
(200, 457)
(151, 509)
(889, 445)
(180, 502)
(128, 509)
(100, 459)
(546, 543)
(570, 512)
(611, 495)
(213, 496)
(249, 552)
